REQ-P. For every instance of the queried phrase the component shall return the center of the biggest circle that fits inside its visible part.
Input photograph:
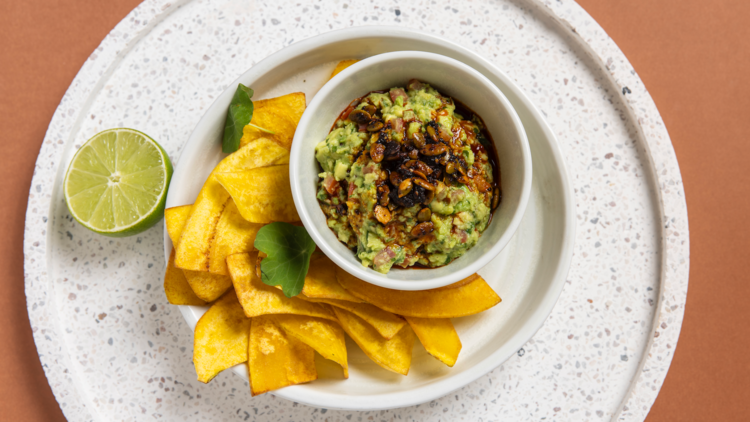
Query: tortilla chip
(457, 284)
(262, 195)
(279, 115)
(343, 64)
(384, 322)
(221, 338)
(393, 355)
(258, 298)
(321, 281)
(176, 286)
(234, 235)
(192, 250)
(175, 218)
(276, 360)
(438, 337)
(207, 286)
(326, 337)
(470, 298)
(193, 246)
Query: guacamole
(406, 179)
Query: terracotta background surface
(693, 56)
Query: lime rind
(117, 182)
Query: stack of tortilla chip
(214, 263)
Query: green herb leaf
(239, 114)
(289, 249)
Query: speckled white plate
(528, 274)
(113, 349)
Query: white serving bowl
(450, 77)
(528, 274)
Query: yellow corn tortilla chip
(276, 360)
(393, 354)
(258, 298)
(469, 298)
(457, 284)
(384, 322)
(438, 337)
(326, 337)
(207, 286)
(343, 64)
(176, 286)
(221, 338)
(195, 241)
(175, 218)
(192, 250)
(234, 235)
(321, 281)
(279, 115)
(262, 195)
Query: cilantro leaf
(239, 115)
(289, 249)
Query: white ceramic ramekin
(450, 77)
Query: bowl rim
(366, 273)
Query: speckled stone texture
(113, 349)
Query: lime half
(117, 183)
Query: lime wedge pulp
(116, 184)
